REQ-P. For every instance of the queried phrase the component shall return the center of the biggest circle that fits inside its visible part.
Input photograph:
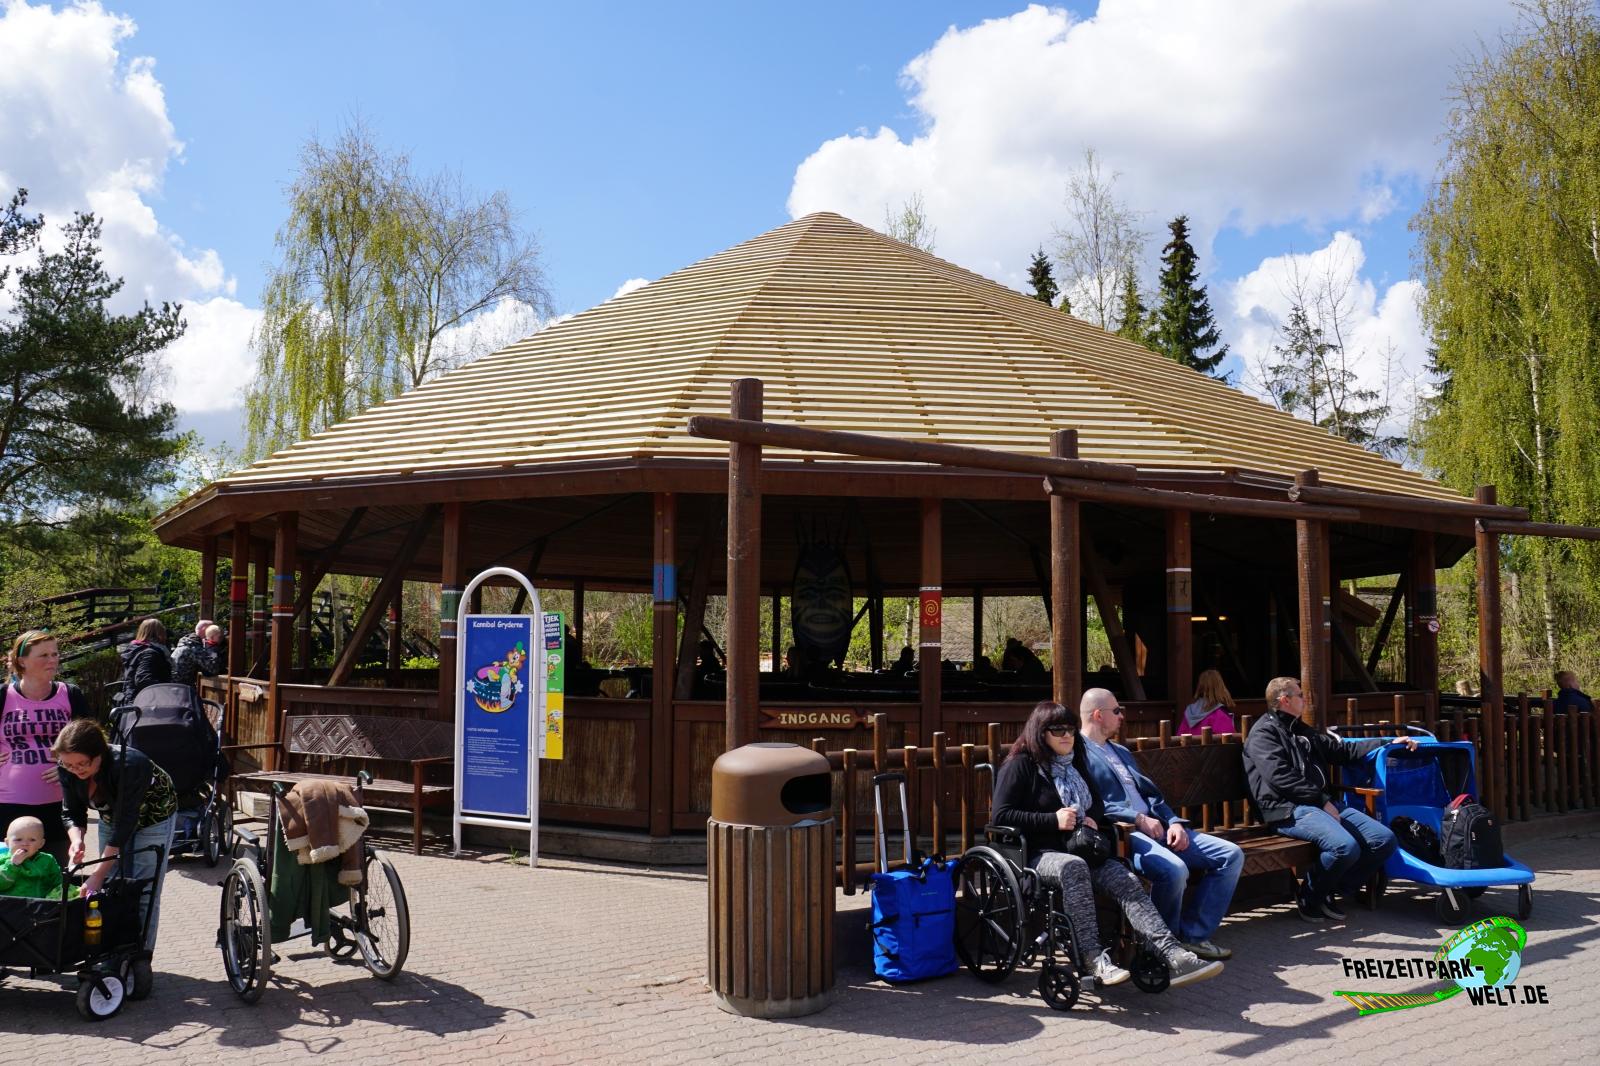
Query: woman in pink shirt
(1212, 706)
(35, 709)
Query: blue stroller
(1420, 785)
(179, 731)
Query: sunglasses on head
(1060, 730)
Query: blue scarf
(1070, 785)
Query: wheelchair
(1006, 916)
(375, 920)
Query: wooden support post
(1180, 608)
(930, 616)
(1492, 696)
(383, 595)
(1351, 654)
(239, 602)
(977, 624)
(1116, 636)
(744, 572)
(451, 582)
(694, 618)
(1310, 542)
(1525, 766)
(1066, 595)
(282, 622)
(1422, 608)
(664, 640)
(875, 622)
(575, 653)
(777, 631)
(1384, 628)
(397, 645)
(208, 580)
(258, 606)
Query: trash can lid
(748, 784)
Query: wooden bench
(1206, 783)
(364, 738)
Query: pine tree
(1134, 322)
(1042, 278)
(1182, 327)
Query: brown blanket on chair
(320, 821)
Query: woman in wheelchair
(1043, 789)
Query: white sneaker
(1107, 972)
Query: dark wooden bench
(364, 738)
(1206, 783)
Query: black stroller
(47, 936)
(179, 731)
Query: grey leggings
(1078, 884)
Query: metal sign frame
(536, 715)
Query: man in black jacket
(1284, 762)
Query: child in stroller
(178, 730)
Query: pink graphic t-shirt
(27, 730)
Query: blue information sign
(497, 704)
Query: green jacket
(38, 877)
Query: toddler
(26, 869)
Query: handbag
(1089, 845)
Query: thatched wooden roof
(849, 329)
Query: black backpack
(1418, 839)
(1469, 836)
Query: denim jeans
(1352, 847)
(1218, 862)
(137, 863)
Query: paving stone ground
(593, 963)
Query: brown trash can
(769, 881)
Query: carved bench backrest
(365, 736)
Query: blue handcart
(1420, 786)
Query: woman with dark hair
(1043, 788)
(135, 800)
(145, 659)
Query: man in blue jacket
(1164, 850)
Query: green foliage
(376, 265)
(79, 431)
(910, 224)
(1134, 322)
(1310, 377)
(1042, 278)
(421, 662)
(1183, 328)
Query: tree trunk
(1541, 476)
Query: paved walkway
(588, 963)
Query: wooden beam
(977, 623)
(777, 629)
(1066, 584)
(663, 644)
(283, 555)
(1541, 529)
(930, 622)
(1329, 494)
(1200, 503)
(1180, 608)
(397, 645)
(451, 583)
(1121, 649)
(530, 571)
(1422, 609)
(744, 570)
(871, 446)
(381, 598)
(575, 654)
(1490, 673)
(1310, 538)
(258, 608)
(208, 580)
(694, 618)
(239, 602)
(1350, 654)
(1382, 636)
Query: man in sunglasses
(1164, 850)
(1284, 762)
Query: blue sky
(636, 138)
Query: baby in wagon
(26, 869)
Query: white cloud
(629, 286)
(85, 127)
(488, 331)
(1235, 112)
(1384, 337)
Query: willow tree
(378, 269)
(1509, 246)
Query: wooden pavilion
(1208, 527)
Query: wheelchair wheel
(1476, 891)
(383, 921)
(245, 934)
(1450, 908)
(1058, 985)
(989, 915)
(1524, 902)
(100, 996)
(1150, 972)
